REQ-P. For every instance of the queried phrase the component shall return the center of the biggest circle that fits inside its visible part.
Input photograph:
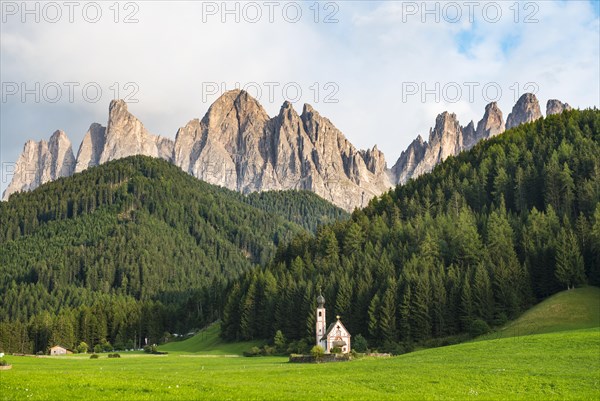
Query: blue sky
(358, 69)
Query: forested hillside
(131, 249)
(482, 237)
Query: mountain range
(237, 145)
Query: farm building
(335, 336)
(59, 350)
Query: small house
(59, 350)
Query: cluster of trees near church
(132, 249)
(484, 236)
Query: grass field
(564, 365)
(516, 363)
(567, 310)
(208, 342)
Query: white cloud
(369, 54)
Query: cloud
(368, 57)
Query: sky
(380, 71)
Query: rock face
(447, 138)
(404, 168)
(491, 124)
(555, 106)
(41, 162)
(526, 110)
(126, 136)
(238, 146)
(91, 148)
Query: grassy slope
(208, 342)
(567, 310)
(563, 365)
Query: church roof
(331, 327)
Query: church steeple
(321, 322)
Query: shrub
(3, 362)
(97, 348)
(254, 351)
(299, 347)
(317, 352)
(150, 349)
(114, 355)
(82, 348)
(106, 347)
(279, 341)
(359, 343)
(94, 356)
(267, 351)
(478, 327)
(153, 349)
(336, 350)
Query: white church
(335, 335)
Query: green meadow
(563, 365)
(208, 342)
(568, 310)
(561, 362)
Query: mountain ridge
(237, 145)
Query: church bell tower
(321, 325)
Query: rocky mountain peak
(409, 159)
(127, 136)
(527, 109)
(555, 106)
(492, 122)
(374, 160)
(91, 147)
(42, 162)
(445, 139)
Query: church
(335, 335)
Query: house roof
(60, 346)
(332, 326)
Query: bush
(267, 351)
(299, 347)
(254, 351)
(317, 352)
(82, 348)
(279, 342)
(106, 347)
(150, 349)
(336, 350)
(97, 348)
(114, 355)
(153, 349)
(3, 362)
(94, 356)
(478, 328)
(359, 343)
